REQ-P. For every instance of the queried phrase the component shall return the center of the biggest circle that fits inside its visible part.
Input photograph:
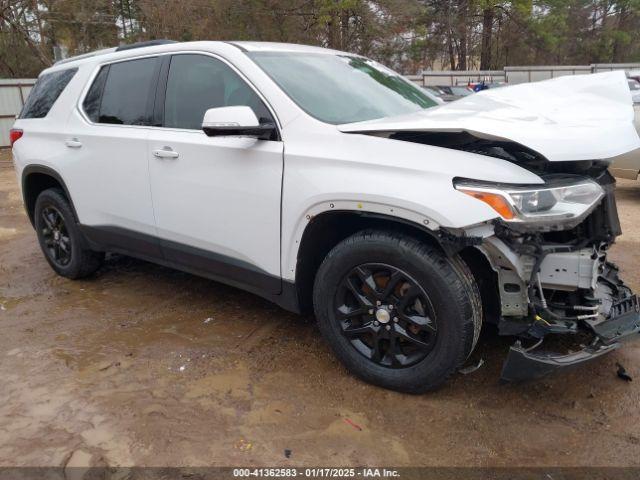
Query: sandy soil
(142, 365)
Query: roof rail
(149, 43)
(104, 51)
(85, 55)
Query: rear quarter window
(45, 93)
(93, 99)
(122, 93)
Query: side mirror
(235, 122)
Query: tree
(408, 35)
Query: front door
(216, 200)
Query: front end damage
(548, 280)
(556, 290)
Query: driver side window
(199, 82)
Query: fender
(363, 173)
(365, 208)
(44, 170)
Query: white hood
(582, 117)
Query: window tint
(127, 91)
(45, 92)
(197, 83)
(92, 101)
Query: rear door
(216, 199)
(107, 143)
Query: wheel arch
(36, 179)
(325, 230)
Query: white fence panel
(459, 77)
(515, 75)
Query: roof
(281, 47)
(164, 46)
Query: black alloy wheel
(396, 310)
(56, 237)
(386, 315)
(60, 238)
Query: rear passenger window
(121, 93)
(197, 83)
(45, 93)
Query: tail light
(14, 135)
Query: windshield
(342, 88)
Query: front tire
(396, 311)
(60, 239)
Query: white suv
(322, 180)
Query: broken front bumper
(622, 324)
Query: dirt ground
(142, 365)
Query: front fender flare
(363, 207)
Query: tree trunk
(333, 36)
(463, 21)
(618, 48)
(462, 51)
(345, 15)
(452, 56)
(124, 20)
(487, 36)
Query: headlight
(553, 201)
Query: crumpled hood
(582, 117)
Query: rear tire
(60, 239)
(420, 333)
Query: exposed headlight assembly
(554, 201)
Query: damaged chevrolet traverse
(325, 182)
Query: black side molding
(196, 261)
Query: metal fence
(13, 93)
(515, 75)
(458, 77)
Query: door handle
(165, 152)
(73, 143)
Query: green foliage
(409, 35)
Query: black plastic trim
(220, 265)
(433, 234)
(152, 95)
(193, 260)
(264, 131)
(35, 168)
(160, 92)
(522, 365)
(115, 239)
